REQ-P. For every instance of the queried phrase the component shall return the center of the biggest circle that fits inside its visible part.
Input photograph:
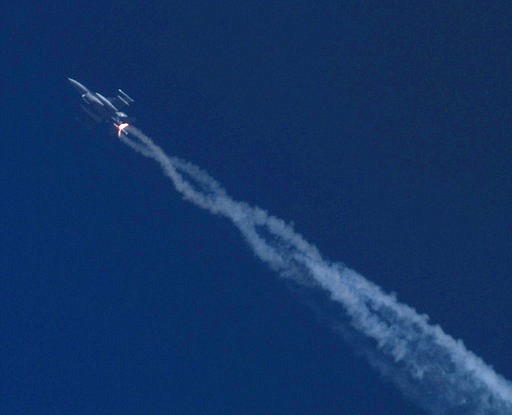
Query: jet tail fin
(125, 97)
(122, 99)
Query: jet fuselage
(101, 109)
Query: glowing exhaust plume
(121, 128)
(431, 368)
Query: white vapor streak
(430, 367)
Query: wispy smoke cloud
(431, 368)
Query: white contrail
(431, 368)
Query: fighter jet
(99, 109)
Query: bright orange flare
(120, 128)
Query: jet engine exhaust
(427, 365)
(121, 128)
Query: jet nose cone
(77, 85)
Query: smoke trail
(431, 368)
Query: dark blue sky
(382, 132)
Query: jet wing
(93, 118)
(88, 119)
